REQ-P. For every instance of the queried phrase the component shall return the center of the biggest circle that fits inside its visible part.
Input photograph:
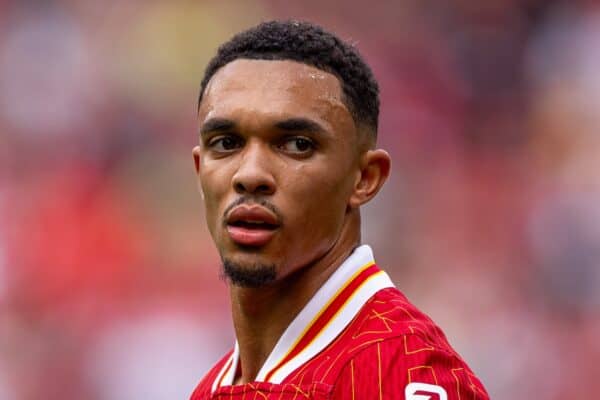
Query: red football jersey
(357, 338)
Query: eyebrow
(290, 125)
(217, 125)
(300, 125)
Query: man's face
(278, 160)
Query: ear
(196, 154)
(375, 166)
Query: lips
(251, 225)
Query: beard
(254, 276)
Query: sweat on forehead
(276, 78)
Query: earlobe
(374, 171)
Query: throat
(260, 318)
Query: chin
(248, 273)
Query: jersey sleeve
(409, 368)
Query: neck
(261, 315)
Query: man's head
(288, 118)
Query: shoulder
(408, 365)
(204, 388)
(396, 348)
(389, 314)
(388, 323)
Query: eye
(297, 145)
(224, 143)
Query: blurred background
(109, 283)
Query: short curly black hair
(310, 44)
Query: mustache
(252, 200)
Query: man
(288, 122)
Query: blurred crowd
(109, 283)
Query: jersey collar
(323, 318)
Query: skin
(316, 175)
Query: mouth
(251, 225)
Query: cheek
(214, 187)
(321, 199)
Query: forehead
(273, 87)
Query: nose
(254, 175)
